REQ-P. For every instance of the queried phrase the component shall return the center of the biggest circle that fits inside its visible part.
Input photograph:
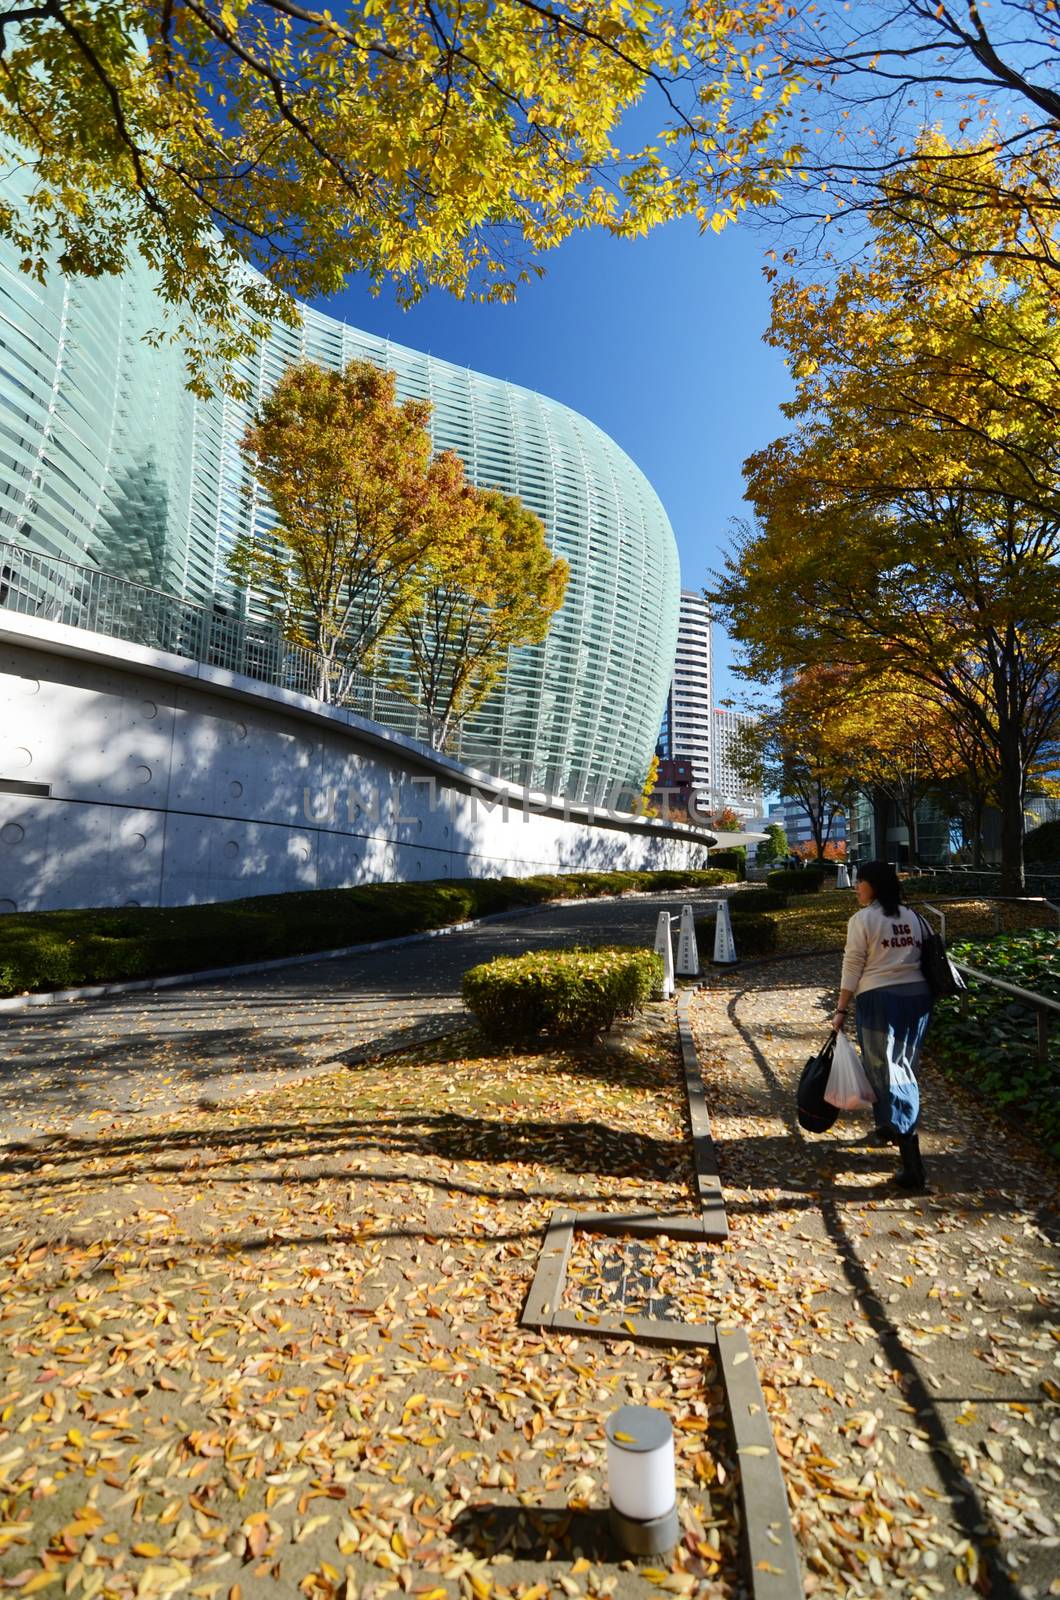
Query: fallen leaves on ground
(908, 1345)
(274, 1349)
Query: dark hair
(883, 880)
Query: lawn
(817, 922)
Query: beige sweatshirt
(881, 950)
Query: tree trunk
(880, 813)
(978, 806)
(910, 822)
(1010, 794)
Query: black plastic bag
(940, 975)
(814, 1112)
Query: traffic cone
(724, 943)
(664, 947)
(687, 948)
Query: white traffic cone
(664, 947)
(687, 948)
(724, 943)
(842, 877)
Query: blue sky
(658, 340)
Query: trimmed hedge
(796, 880)
(568, 994)
(754, 933)
(1042, 845)
(757, 900)
(65, 949)
(734, 861)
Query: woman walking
(881, 967)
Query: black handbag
(940, 975)
(813, 1110)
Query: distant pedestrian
(881, 967)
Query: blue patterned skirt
(891, 1024)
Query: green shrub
(66, 949)
(1042, 845)
(568, 994)
(734, 861)
(757, 900)
(754, 934)
(796, 880)
(994, 1048)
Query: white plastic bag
(848, 1086)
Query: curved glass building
(108, 461)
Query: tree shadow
(967, 1507)
(579, 1147)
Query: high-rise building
(111, 466)
(730, 790)
(792, 817)
(686, 726)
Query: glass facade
(108, 461)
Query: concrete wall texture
(130, 777)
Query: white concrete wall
(167, 782)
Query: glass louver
(107, 460)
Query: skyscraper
(686, 728)
(730, 790)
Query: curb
(103, 991)
(704, 1154)
(771, 1554)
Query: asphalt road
(72, 1068)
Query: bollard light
(640, 1478)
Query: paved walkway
(909, 1344)
(75, 1068)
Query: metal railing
(981, 879)
(57, 590)
(999, 901)
(1044, 1007)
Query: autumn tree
(900, 742)
(643, 806)
(911, 522)
(428, 146)
(486, 584)
(880, 79)
(795, 749)
(348, 474)
(726, 820)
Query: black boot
(911, 1173)
(876, 1138)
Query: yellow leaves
(453, 171)
(310, 1526)
(39, 1581)
(674, 1582)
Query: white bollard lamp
(641, 1481)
